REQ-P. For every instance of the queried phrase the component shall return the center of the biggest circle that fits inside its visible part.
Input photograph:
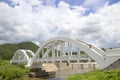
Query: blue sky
(94, 21)
(91, 8)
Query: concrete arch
(97, 54)
(22, 56)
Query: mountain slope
(7, 50)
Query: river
(63, 74)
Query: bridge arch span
(95, 53)
(22, 56)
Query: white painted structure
(61, 49)
(22, 56)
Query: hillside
(7, 50)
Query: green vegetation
(82, 52)
(12, 72)
(8, 50)
(87, 60)
(97, 75)
(103, 49)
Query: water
(56, 78)
(62, 75)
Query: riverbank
(97, 75)
(34, 78)
(75, 68)
(63, 74)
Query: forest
(7, 50)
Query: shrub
(97, 75)
(12, 72)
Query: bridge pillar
(61, 52)
(61, 49)
(89, 60)
(69, 52)
(79, 55)
(53, 53)
(42, 54)
(63, 45)
(38, 58)
(57, 51)
(47, 49)
(70, 47)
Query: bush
(12, 72)
(97, 75)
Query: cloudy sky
(94, 21)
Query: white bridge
(61, 49)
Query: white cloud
(33, 21)
(63, 4)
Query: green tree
(7, 50)
(103, 49)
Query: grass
(97, 75)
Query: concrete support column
(57, 50)
(79, 55)
(89, 61)
(60, 53)
(53, 53)
(63, 48)
(23, 58)
(70, 47)
(38, 58)
(19, 58)
(42, 55)
(47, 55)
(69, 51)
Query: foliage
(12, 72)
(8, 50)
(82, 52)
(84, 61)
(97, 75)
(3, 62)
(103, 49)
(28, 45)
